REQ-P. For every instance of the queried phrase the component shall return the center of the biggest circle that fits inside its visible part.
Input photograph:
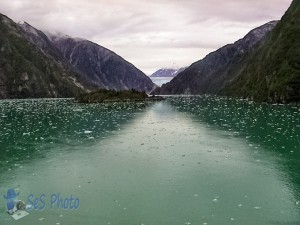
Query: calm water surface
(187, 160)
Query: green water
(187, 160)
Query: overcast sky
(151, 34)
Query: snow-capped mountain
(167, 72)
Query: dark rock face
(211, 74)
(32, 65)
(102, 67)
(47, 47)
(272, 72)
(95, 66)
(40, 40)
(28, 72)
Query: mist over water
(187, 160)
(161, 80)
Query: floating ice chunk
(240, 205)
(77, 110)
(257, 207)
(41, 219)
(88, 131)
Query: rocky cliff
(100, 66)
(34, 65)
(272, 72)
(211, 74)
(26, 71)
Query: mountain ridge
(210, 74)
(104, 68)
(272, 73)
(92, 74)
(26, 72)
(34, 66)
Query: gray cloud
(150, 34)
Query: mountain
(179, 71)
(26, 71)
(167, 72)
(34, 65)
(211, 74)
(272, 73)
(45, 45)
(100, 66)
(164, 73)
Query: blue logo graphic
(11, 200)
(16, 208)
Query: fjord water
(161, 80)
(187, 160)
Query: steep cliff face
(272, 73)
(47, 47)
(93, 66)
(100, 66)
(211, 74)
(26, 71)
(32, 65)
